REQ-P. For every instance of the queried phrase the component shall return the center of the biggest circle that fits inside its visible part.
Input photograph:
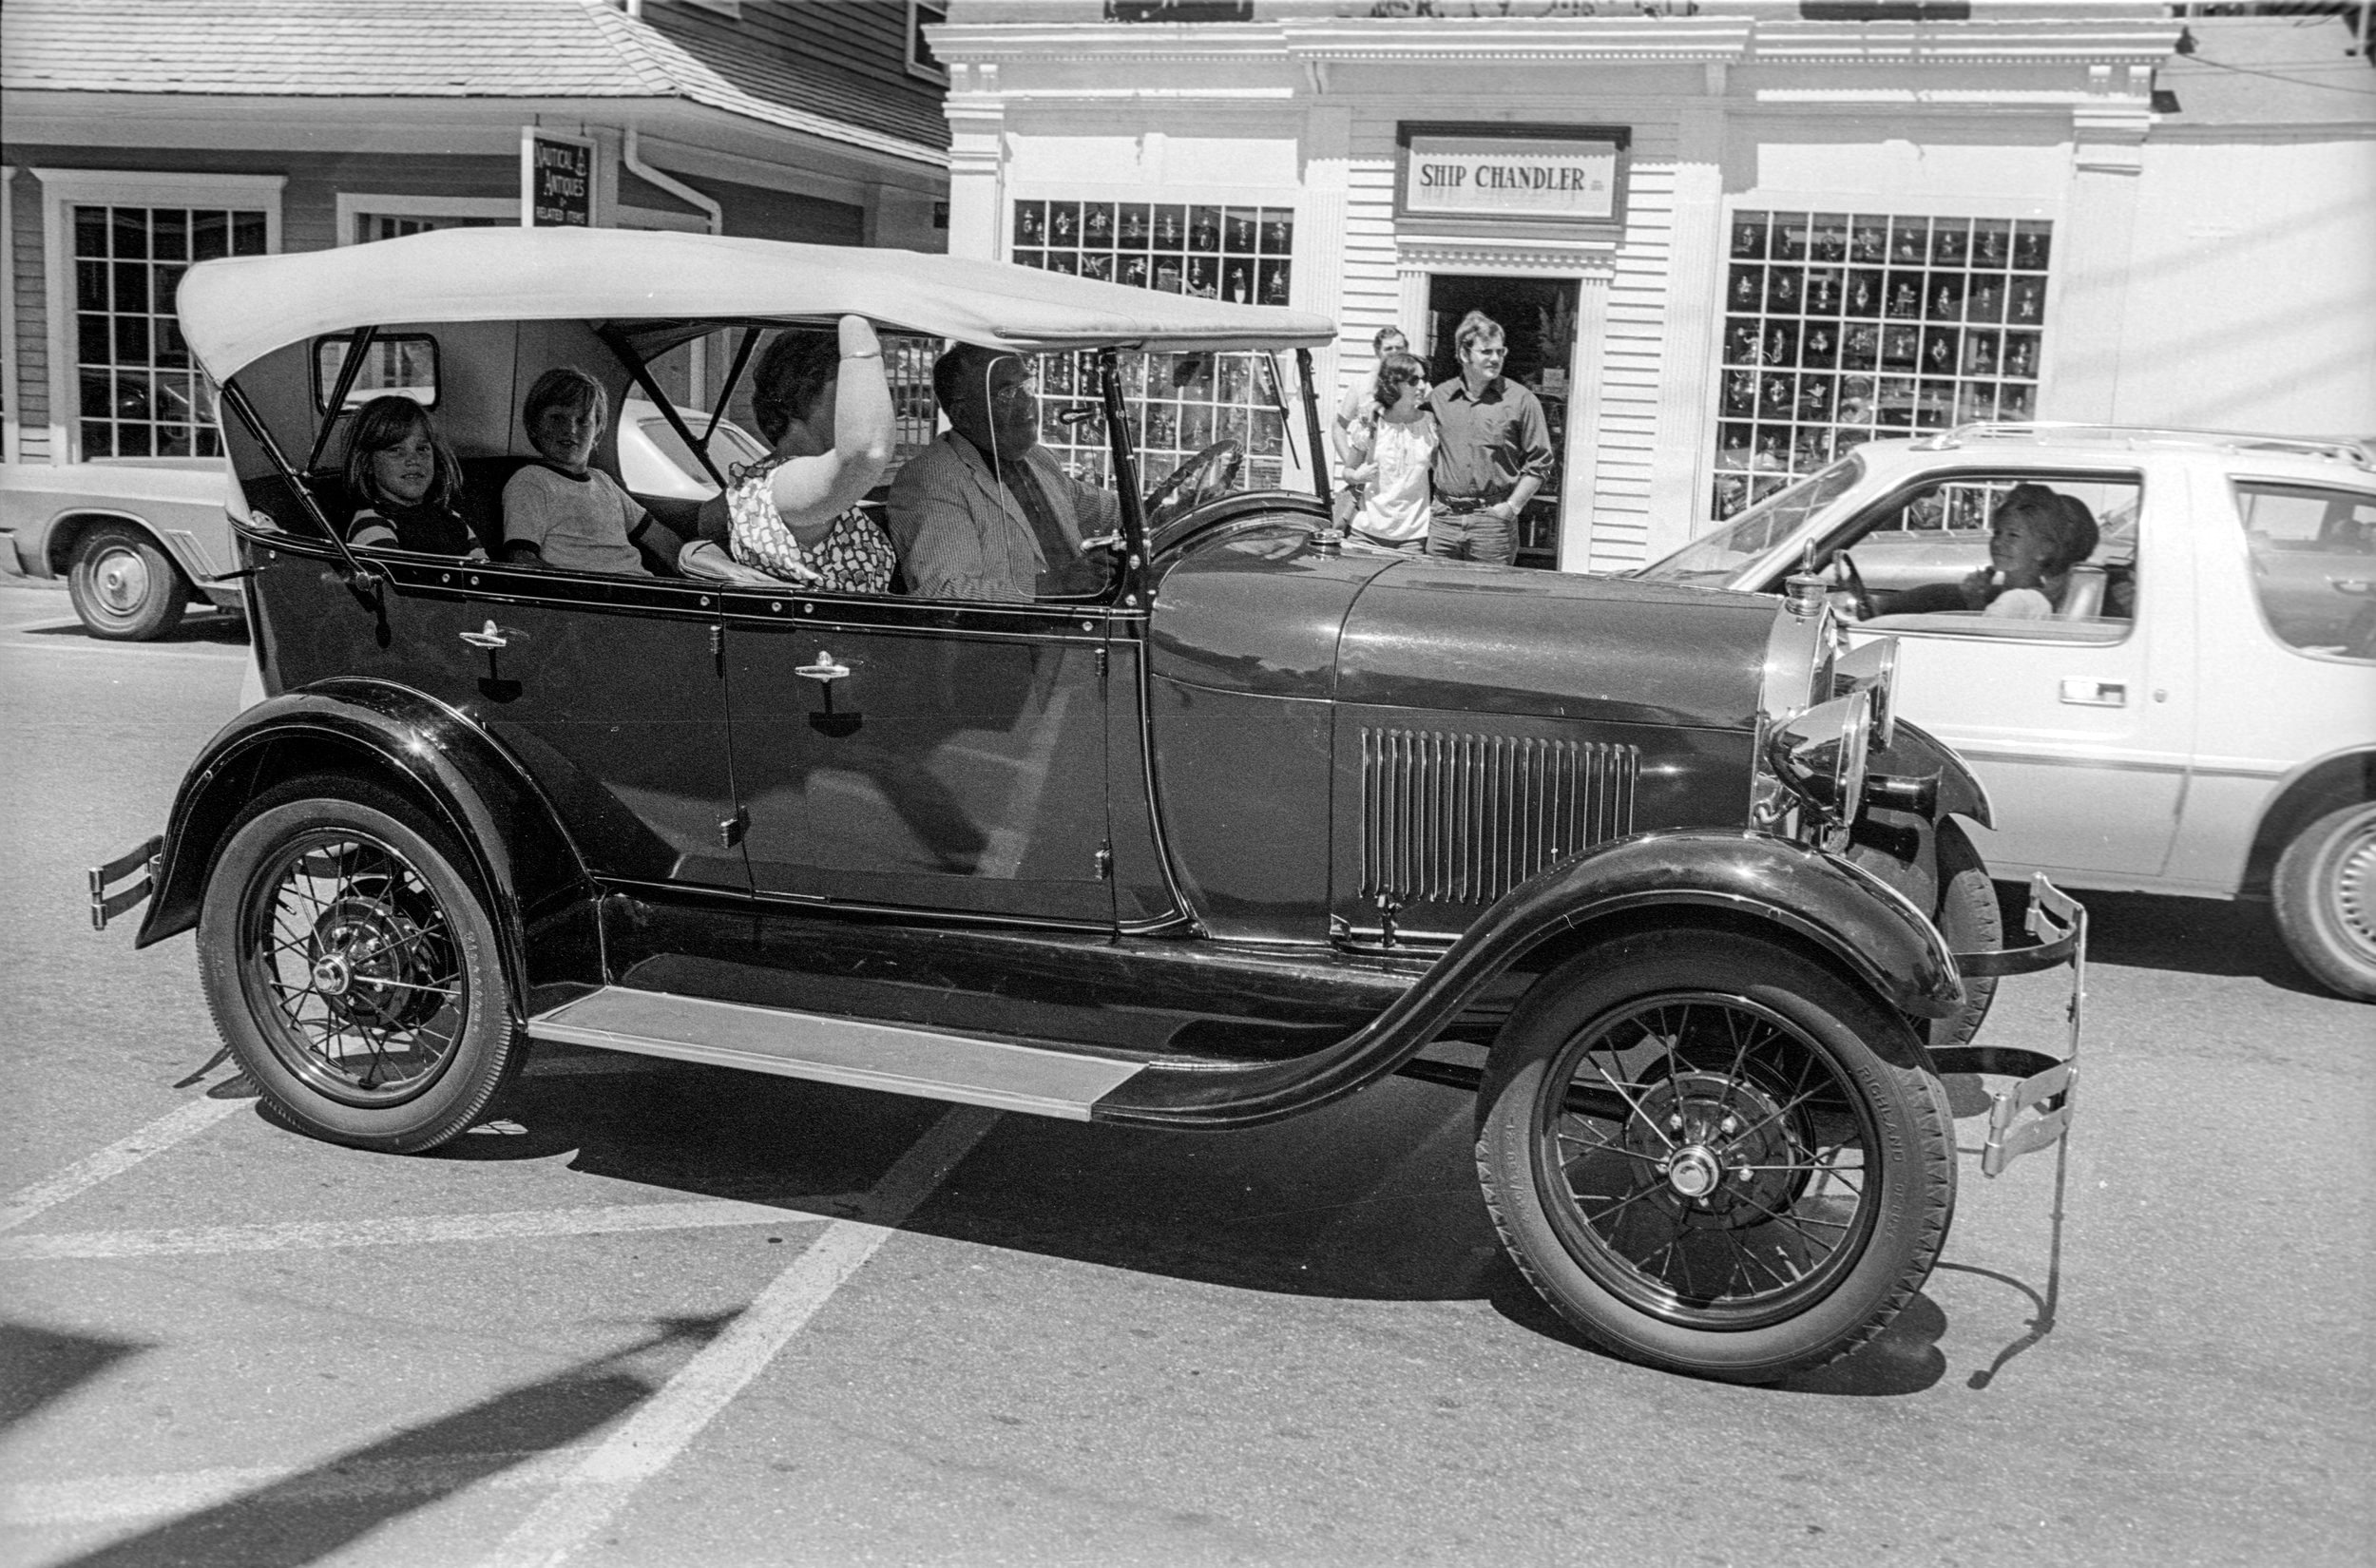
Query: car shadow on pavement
(2205, 936)
(326, 1507)
(39, 1367)
(1373, 1199)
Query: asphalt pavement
(659, 1314)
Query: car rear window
(2313, 549)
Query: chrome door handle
(2082, 690)
(824, 669)
(490, 637)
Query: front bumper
(105, 906)
(2035, 1113)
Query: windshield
(1180, 406)
(1718, 557)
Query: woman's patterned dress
(854, 557)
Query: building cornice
(1582, 40)
(1899, 44)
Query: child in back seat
(405, 482)
(561, 511)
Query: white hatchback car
(654, 459)
(2198, 717)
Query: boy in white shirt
(561, 511)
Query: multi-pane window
(141, 394)
(1179, 402)
(1840, 327)
(388, 226)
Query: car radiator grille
(1455, 818)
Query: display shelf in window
(1179, 402)
(1843, 327)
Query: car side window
(1928, 558)
(2313, 554)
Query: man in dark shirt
(1492, 453)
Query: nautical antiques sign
(1526, 174)
(556, 180)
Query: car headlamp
(1820, 756)
(1873, 668)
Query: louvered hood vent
(1455, 818)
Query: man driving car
(984, 513)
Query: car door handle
(489, 637)
(824, 669)
(2086, 692)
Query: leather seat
(2083, 596)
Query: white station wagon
(2197, 718)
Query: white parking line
(119, 1500)
(649, 1442)
(309, 1236)
(225, 655)
(117, 1158)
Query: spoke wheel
(1704, 1158)
(1713, 1154)
(349, 962)
(352, 971)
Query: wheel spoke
(1629, 1199)
(1633, 1106)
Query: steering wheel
(1205, 474)
(1862, 597)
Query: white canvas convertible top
(238, 309)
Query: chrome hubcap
(122, 580)
(1694, 1171)
(331, 975)
(2355, 886)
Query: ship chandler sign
(1529, 175)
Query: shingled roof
(403, 49)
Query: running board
(925, 1062)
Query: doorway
(1537, 317)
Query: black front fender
(1914, 750)
(1871, 929)
(535, 884)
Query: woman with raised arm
(824, 407)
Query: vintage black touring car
(1265, 816)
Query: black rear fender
(521, 864)
(1701, 878)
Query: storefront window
(141, 395)
(1842, 327)
(1181, 403)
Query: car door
(608, 691)
(2082, 730)
(921, 755)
